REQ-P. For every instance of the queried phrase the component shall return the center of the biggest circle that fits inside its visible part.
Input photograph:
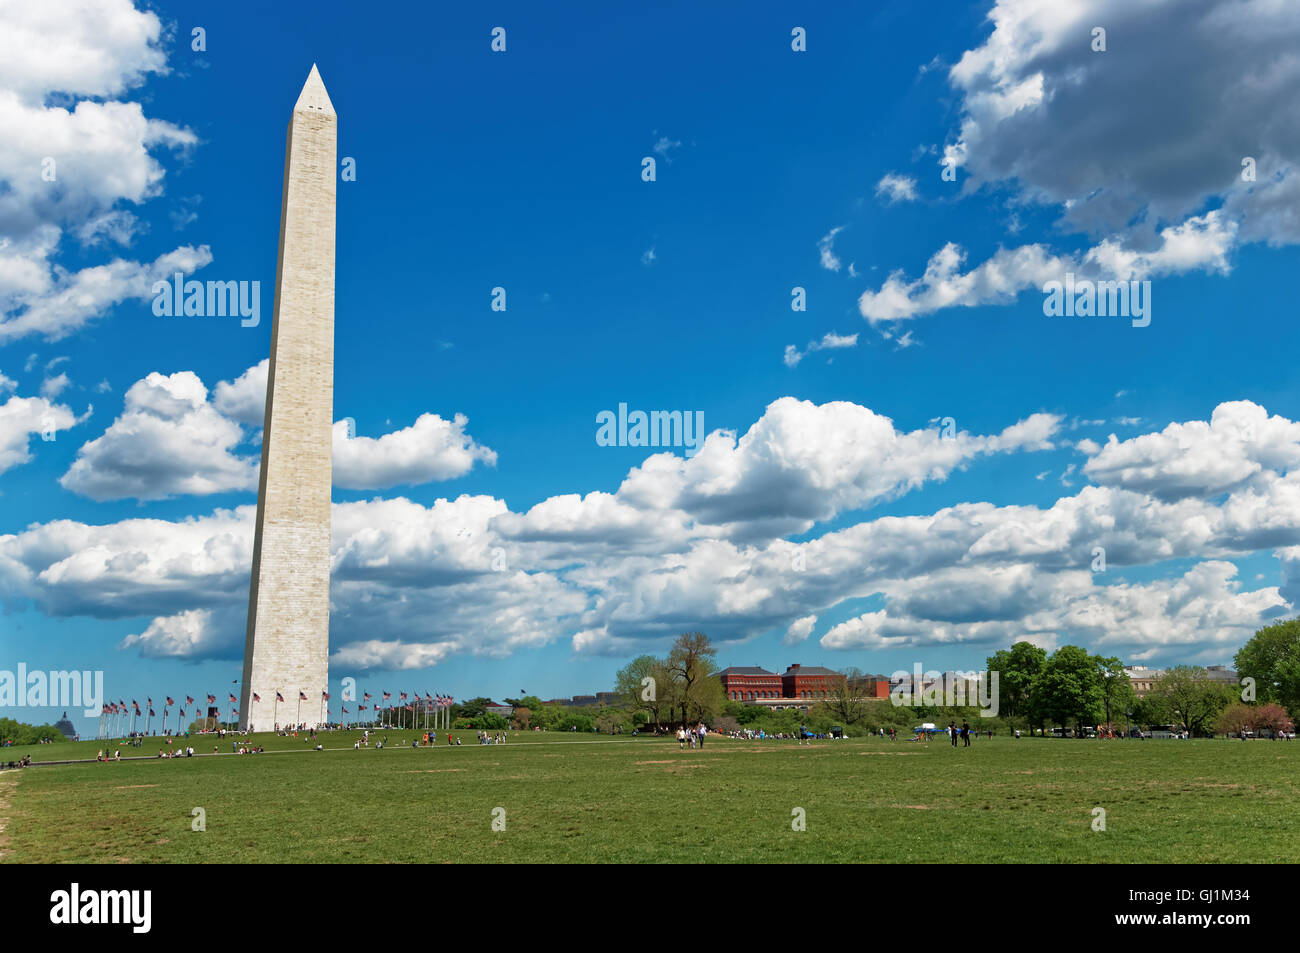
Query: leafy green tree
(531, 702)
(472, 708)
(641, 696)
(1272, 659)
(1152, 710)
(491, 721)
(1192, 698)
(1116, 688)
(23, 734)
(1016, 667)
(1068, 689)
(1235, 718)
(571, 719)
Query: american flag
(279, 697)
(366, 697)
(170, 702)
(403, 696)
(325, 696)
(387, 695)
(150, 702)
(151, 714)
(256, 697)
(345, 709)
(233, 699)
(189, 700)
(302, 696)
(212, 699)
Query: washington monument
(286, 651)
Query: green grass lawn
(584, 798)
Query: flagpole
(274, 707)
(297, 719)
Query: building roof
(746, 670)
(1220, 673)
(810, 670)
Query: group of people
(963, 732)
(188, 752)
(693, 736)
(23, 762)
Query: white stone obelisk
(287, 643)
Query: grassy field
(584, 798)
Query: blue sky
(125, 539)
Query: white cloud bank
(72, 170)
(703, 543)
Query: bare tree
(691, 666)
(845, 698)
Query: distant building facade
(871, 686)
(810, 682)
(797, 687)
(749, 683)
(1143, 679)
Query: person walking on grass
(681, 739)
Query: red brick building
(871, 686)
(809, 682)
(749, 683)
